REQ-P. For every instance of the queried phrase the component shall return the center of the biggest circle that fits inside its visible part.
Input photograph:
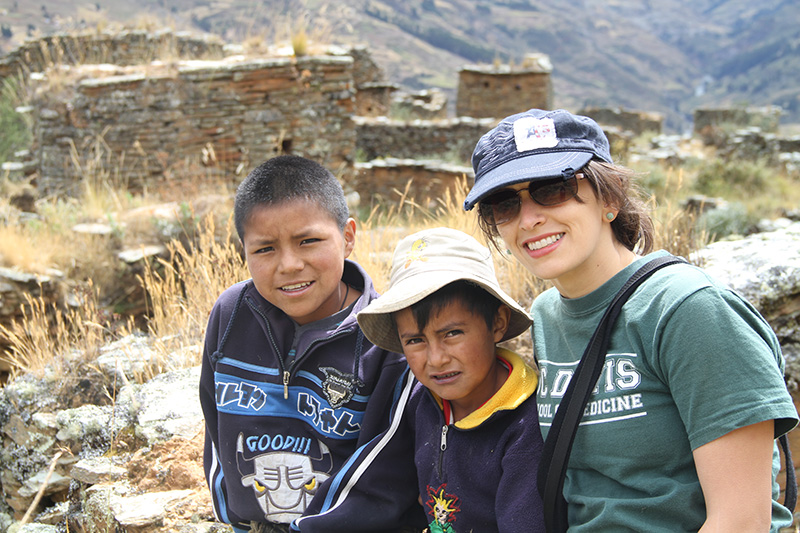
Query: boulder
(765, 269)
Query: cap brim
(525, 168)
(379, 327)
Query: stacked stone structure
(712, 125)
(130, 47)
(226, 114)
(221, 115)
(428, 104)
(374, 99)
(16, 288)
(502, 90)
(636, 122)
(452, 139)
(424, 181)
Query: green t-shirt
(689, 361)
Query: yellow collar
(519, 386)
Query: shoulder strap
(558, 445)
(790, 496)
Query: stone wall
(636, 122)
(712, 124)
(428, 104)
(386, 180)
(227, 114)
(129, 47)
(365, 69)
(374, 99)
(451, 139)
(502, 90)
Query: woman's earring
(610, 216)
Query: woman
(679, 433)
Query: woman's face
(570, 244)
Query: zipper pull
(285, 384)
(442, 448)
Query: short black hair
(476, 299)
(286, 178)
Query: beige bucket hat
(423, 263)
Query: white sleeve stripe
(359, 471)
(212, 476)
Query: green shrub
(733, 219)
(733, 179)
(16, 132)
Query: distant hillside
(670, 56)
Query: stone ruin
(128, 47)
(710, 122)
(224, 111)
(635, 122)
(497, 91)
(15, 289)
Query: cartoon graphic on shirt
(283, 482)
(443, 507)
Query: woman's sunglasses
(503, 206)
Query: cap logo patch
(415, 254)
(532, 133)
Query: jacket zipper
(442, 447)
(287, 373)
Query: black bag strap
(558, 445)
(790, 494)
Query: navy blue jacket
(478, 474)
(278, 428)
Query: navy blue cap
(536, 144)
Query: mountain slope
(670, 56)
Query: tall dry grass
(675, 228)
(182, 290)
(50, 338)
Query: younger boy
(289, 386)
(467, 430)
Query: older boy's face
(295, 253)
(454, 356)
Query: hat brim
(525, 168)
(378, 325)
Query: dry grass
(675, 228)
(183, 289)
(48, 337)
(102, 186)
(307, 31)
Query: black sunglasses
(503, 206)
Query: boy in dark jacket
(465, 436)
(290, 387)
